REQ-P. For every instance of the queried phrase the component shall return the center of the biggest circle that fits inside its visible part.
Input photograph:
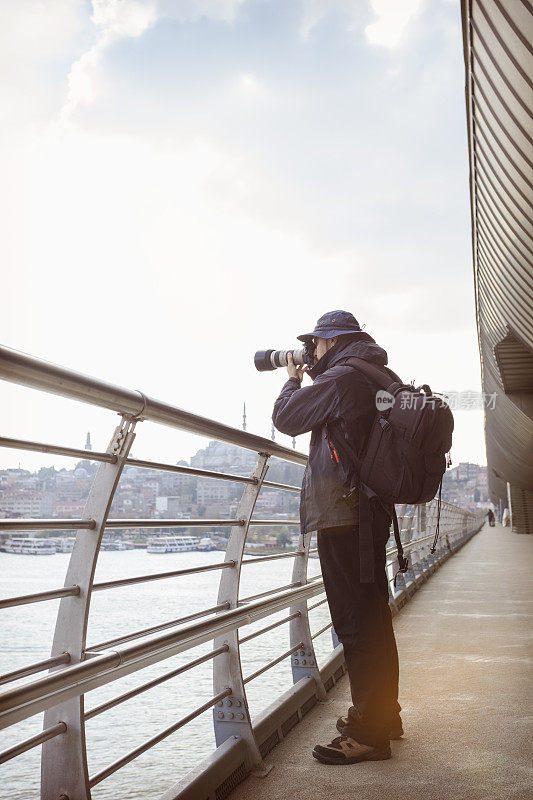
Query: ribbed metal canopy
(498, 50)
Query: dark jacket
(341, 404)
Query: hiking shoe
(396, 731)
(344, 750)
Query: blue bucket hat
(334, 323)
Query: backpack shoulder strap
(381, 375)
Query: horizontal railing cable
(33, 741)
(272, 663)
(269, 627)
(38, 597)
(121, 762)
(160, 576)
(200, 473)
(274, 522)
(276, 589)
(268, 592)
(284, 486)
(58, 450)
(19, 524)
(411, 545)
(206, 473)
(32, 669)
(173, 523)
(320, 603)
(322, 630)
(94, 712)
(273, 557)
(130, 637)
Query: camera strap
(368, 502)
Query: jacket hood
(361, 345)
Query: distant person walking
(342, 403)
(491, 518)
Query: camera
(266, 360)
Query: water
(26, 634)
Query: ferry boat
(115, 544)
(65, 544)
(206, 544)
(30, 547)
(171, 544)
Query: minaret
(273, 433)
(88, 445)
(244, 417)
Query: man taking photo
(339, 408)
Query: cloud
(393, 19)
(113, 20)
(313, 12)
(193, 10)
(122, 19)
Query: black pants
(362, 620)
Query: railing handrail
(77, 668)
(35, 696)
(37, 373)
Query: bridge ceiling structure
(498, 51)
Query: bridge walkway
(465, 687)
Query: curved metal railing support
(231, 716)
(64, 759)
(303, 661)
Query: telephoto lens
(266, 360)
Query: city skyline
(144, 493)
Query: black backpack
(405, 456)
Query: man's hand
(293, 370)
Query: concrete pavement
(464, 641)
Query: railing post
(303, 662)
(420, 565)
(231, 717)
(64, 760)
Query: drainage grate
(269, 744)
(308, 705)
(233, 780)
(289, 723)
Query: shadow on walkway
(465, 687)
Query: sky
(188, 181)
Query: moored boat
(28, 546)
(172, 544)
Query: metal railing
(77, 668)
